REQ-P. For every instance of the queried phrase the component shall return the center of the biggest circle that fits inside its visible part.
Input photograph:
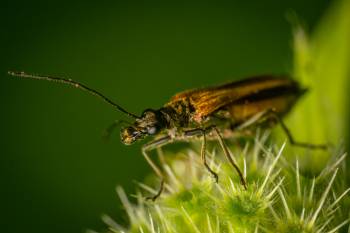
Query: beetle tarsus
(154, 198)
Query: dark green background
(56, 173)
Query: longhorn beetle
(215, 112)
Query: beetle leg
(145, 149)
(230, 158)
(204, 160)
(290, 136)
(271, 114)
(201, 132)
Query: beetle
(216, 112)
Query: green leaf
(323, 64)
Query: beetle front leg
(148, 147)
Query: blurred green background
(56, 173)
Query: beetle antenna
(74, 84)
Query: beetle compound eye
(135, 133)
(152, 130)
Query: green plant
(280, 198)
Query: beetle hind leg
(272, 115)
(291, 138)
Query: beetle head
(147, 124)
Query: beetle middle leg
(201, 132)
(229, 157)
(145, 149)
(204, 159)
